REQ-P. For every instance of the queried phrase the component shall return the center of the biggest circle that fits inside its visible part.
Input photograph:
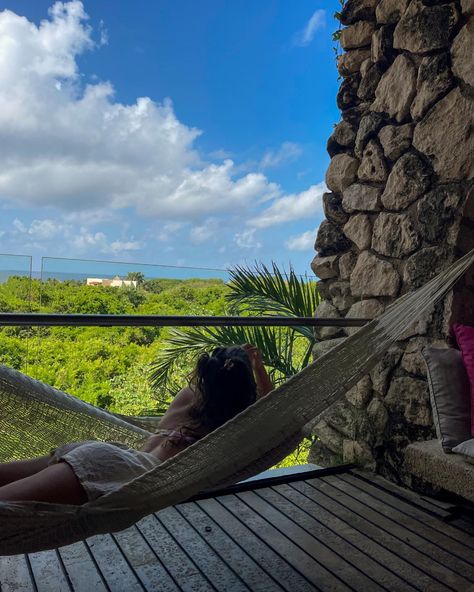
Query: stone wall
(398, 211)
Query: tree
(136, 276)
(252, 291)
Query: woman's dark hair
(224, 384)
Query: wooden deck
(340, 532)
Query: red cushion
(465, 338)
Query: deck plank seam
(282, 557)
(343, 539)
(215, 551)
(408, 544)
(31, 572)
(324, 567)
(64, 570)
(368, 536)
(97, 566)
(423, 504)
(383, 545)
(160, 561)
(416, 508)
(412, 530)
(237, 543)
(128, 562)
(185, 552)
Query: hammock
(36, 417)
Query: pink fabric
(465, 338)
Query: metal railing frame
(94, 320)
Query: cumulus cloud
(77, 148)
(315, 23)
(77, 162)
(247, 239)
(302, 242)
(307, 204)
(288, 152)
(47, 233)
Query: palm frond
(258, 290)
(193, 341)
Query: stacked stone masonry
(399, 208)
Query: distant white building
(116, 282)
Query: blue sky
(168, 132)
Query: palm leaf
(275, 293)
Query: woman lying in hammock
(223, 385)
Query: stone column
(397, 212)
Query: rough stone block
(370, 80)
(357, 35)
(382, 45)
(424, 265)
(326, 310)
(343, 137)
(360, 394)
(437, 210)
(341, 295)
(374, 277)
(382, 373)
(358, 453)
(351, 61)
(396, 139)
(332, 206)
(390, 11)
(409, 178)
(341, 172)
(330, 239)
(358, 10)
(445, 135)
(467, 7)
(329, 437)
(347, 95)
(425, 28)
(412, 360)
(358, 197)
(325, 267)
(368, 128)
(462, 53)
(321, 348)
(354, 114)
(409, 397)
(364, 309)
(378, 416)
(394, 235)
(359, 231)
(373, 168)
(434, 80)
(396, 89)
(346, 265)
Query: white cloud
(61, 236)
(288, 152)
(247, 240)
(315, 23)
(302, 242)
(201, 234)
(79, 149)
(307, 204)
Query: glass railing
(112, 366)
(16, 295)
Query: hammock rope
(249, 443)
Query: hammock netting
(35, 418)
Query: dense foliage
(111, 367)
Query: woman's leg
(19, 469)
(55, 484)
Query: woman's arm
(264, 384)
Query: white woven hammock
(36, 417)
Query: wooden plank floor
(339, 532)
